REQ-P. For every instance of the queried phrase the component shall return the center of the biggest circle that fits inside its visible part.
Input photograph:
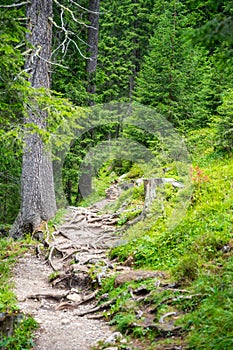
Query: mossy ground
(197, 254)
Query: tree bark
(37, 186)
(85, 179)
(150, 186)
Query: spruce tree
(175, 77)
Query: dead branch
(83, 8)
(171, 300)
(50, 258)
(15, 5)
(69, 305)
(48, 296)
(161, 320)
(101, 307)
(72, 14)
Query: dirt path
(83, 238)
(59, 329)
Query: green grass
(22, 337)
(198, 253)
(205, 229)
(210, 325)
(8, 253)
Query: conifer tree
(124, 33)
(37, 193)
(176, 76)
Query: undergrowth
(21, 338)
(198, 254)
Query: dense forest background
(176, 59)
(175, 56)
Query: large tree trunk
(37, 194)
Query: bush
(224, 123)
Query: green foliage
(134, 172)
(10, 159)
(123, 321)
(205, 229)
(198, 252)
(22, 337)
(123, 41)
(210, 325)
(58, 218)
(23, 326)
(213, 22)
(176, 57)
(224, 123)
(176, 77)
(8, 252)
(186, 269)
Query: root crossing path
(62, 304)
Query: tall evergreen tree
(176, 76)
(124, 33)
(37, 194)
(12, 91)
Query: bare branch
(52, 63)
(67, 38)
(80, 52)
(14, 5)
(72, 15)
(83, 8)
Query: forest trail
(58, 305)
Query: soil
(57, 283)
(88, 235)
(59, 329)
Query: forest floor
(61, 283)
(55, 286)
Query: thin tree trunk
(37, 194)
(85, 179)
(92, 40)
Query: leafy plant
(23, 329)
(22, 336)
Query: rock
(74, 297)
(116, 336)
(112, 348)
(65, 321)
(79, 268)
(137, 275)
(123, 341)
(38, 320)
(112, 192)
(129, 261)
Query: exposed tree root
(101, 307)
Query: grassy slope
(199, 251)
